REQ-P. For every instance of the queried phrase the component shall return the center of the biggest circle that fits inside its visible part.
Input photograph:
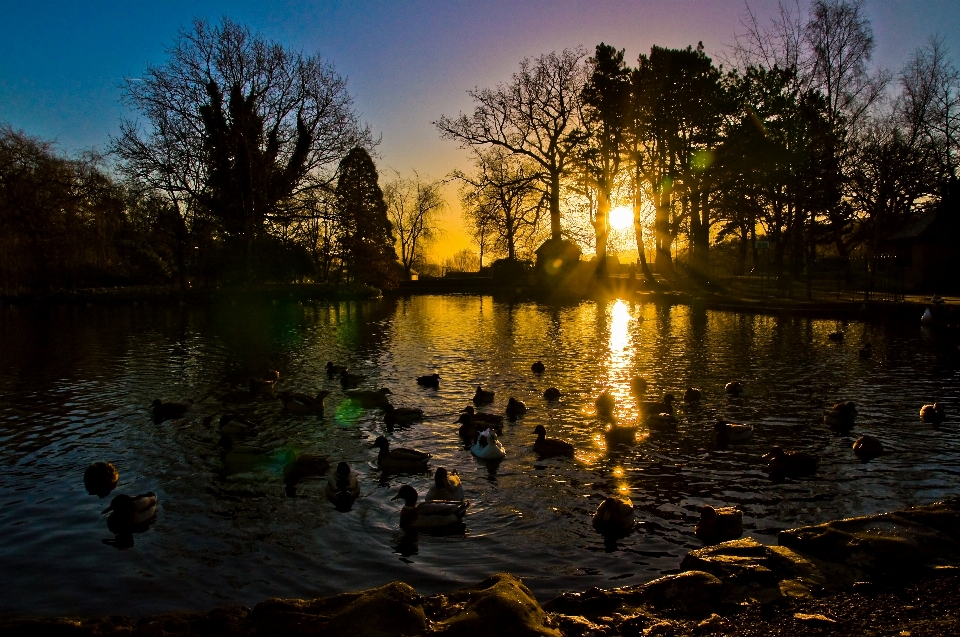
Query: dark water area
(76, 384)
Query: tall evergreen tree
(367, 241)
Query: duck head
(120, 504)
(540, 431)
(720, 426)
(775, 453)
(226, 442)
(343, 469)
(440, 478)
(408, 494)
(381, 442)
(668, 399)
(469, 410)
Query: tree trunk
(700, 235)
(601, 227)
(555, 232)
(661, 228)
(638, 233)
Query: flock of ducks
(444, 505)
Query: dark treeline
(798, 144)
(249, 165)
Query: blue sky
(408, 62)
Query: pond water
(76, 384)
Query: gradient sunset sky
(62, 63)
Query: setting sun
(621, 217)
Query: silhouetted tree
(367, 242)
(413, 205)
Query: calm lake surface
(76, 384)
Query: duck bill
(396, 497)
(107, 510)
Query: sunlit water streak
(75, 384)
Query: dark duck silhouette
(482, 397)
(431, 380)
(343, 487)
(538, 368)
(168, 411)
(550, 447)
(101, 478)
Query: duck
(236, 427)
(836, 336)
(396, 415)
(841, 416)
(605, 404)
(867, 448)
(482, 397)
(662, 407)
(298, 403)
(932, 414)
(343, 487)
(692, 395)
(304, 465)
(265, 386)
(428, 515)
(621, 435)
(661, 422)
(638, 386)
(370, 399)
(167, 411)
(550, 447)
(399, 459)
(129, 511)
(538, 367)
(446, 487)
(866, 351)
(492, 420)
(101, 478)
(431, 380)
(470, 425)
(351, 380)
(719, 524)
(241, 456)
(515, 408)
(488, 447)
(733, 388)
(335, 370)
(551, 394)
(732, 432)
(614, 518)
(790, 464)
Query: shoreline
(878, 574)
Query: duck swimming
(614, 518)
(551, 394)
(335, 370)
(790, 464)
(638, 386)
(351, 380)
(728, 432)
(515, 408)
(867, 448)
(127, 511)
(343, 488)
(482, 397)
(692, 395)
(550, 447)
(488, 447)
(866, 351)
(297, 403)
(370, 399)
(841, 416)
(265, 386)
(428, 515)
(661, 422)
(399, 415)
(101, 478)
(932, 414)
(432, 380)
(237, 427)
(663, 407)
(168, 411)
(719, 524)
(605, 404)
(446, 487)
(621, 435)
(304, 465)
(733, 388)
(399, 459)
(538, 368)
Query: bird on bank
(370, 399)
(400, 415)
(168, 411)
(428, 515)
(488, 447)
(348, 380)
(101, 478)
(515, 408)
(335, 370)
(605, 404)
(638, 386)
(343, 487)
(482, 397)
(129, 511)
(399, 459)
(790, 464)
(551, 394)
(432, 380)
(867, 448)
(550, 447)
(664, 406)
(692, 395)
(614, 518)
(446, 487)
(298, 403)
(538, 368)
(719, 524)
(728, 432)
(734, 388)
(932, 414)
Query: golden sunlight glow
(619, 321)
(621, 217)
